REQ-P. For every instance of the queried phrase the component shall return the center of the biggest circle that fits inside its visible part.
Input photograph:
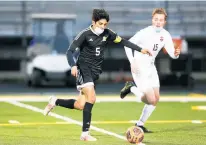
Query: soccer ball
(135, 135)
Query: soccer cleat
(87, 137)
(144, 129)
(50, 106)
(126, 89)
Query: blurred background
(34, 36)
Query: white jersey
(148, 38)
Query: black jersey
(92, 46)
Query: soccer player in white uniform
(144, 72)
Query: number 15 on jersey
(155, 47)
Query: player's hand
(177, 51)
(74, 71)
(146, 51)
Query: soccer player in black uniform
(90, 45)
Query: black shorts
(86, 76)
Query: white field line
(103, 99)
(67, 119)
(14, 122)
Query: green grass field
(171, 123)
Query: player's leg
(144, 85)
(148, 110)
(155, 84)
(131, 87)
(126, 89)
(88, 89)
(80, 103)
(149, 107)
(152, 96)
(144, 93)
(157, 94)
(77, 104)
(138, 68)
(89, 93)
(66, 103)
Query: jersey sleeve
(79, 39)
(117, 39)
(114, 37)
(169, 46)
(74, 48)
(135, 39)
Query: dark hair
(99, 14)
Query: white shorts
(146, 76)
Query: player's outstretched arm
(117, 39)
(131, 45)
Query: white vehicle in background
(46, 55)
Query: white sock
(146, 112)
(53, 100)
(137, 93)
(84, 133)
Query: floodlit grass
(171, 123)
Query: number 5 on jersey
(97, 51)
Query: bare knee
(152, 96)
(153, 101)
(79, 105)
(157, 97)
(92, 99)
(90, 93)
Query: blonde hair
(159, 11)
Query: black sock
(65, 103)
(87, 115)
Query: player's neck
(92, 27)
